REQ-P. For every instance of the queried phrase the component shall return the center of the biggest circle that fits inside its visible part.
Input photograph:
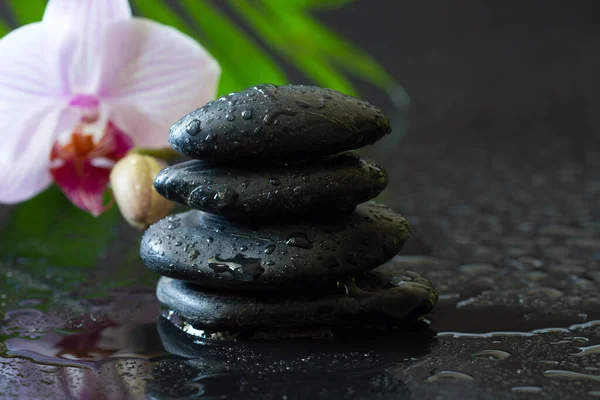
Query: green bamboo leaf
(253, 65)
(269, 24)
(331, 45)
(3, 28)
(28, 11)
(324, 74)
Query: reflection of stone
(357, 367)
(280, 239)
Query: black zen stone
(267, 122)
(273, 254)
(387, 296)
(336, 182)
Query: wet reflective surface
(500, 178)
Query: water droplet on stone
(492, 354)
(270, 249)
(227, 197)
(194, 254)
(247, 114)
(193, 128)
(230, 117)
(302, 104)
(240, 267)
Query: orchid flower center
(86, 143)
(79, 149)
(88, 105)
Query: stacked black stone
(279, 239)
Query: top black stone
(267, 122)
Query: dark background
(495, 66)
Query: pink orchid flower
(80, 88)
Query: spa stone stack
(280, 238)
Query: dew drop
(274, 181)
(230, 117)
(240, 267)
(194, 254)
(303, 104)
(526, 389)
(193, 128)
(269, 249)
(247, 114)
(449, 375)
(492, 354)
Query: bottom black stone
(384, 297)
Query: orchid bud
(132, 181)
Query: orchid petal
(32, 65)
(152, 75)
(89, 14)
(32, 107)
(87, 21)
(25, 161)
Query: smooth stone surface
(273, 254)
(385, 296)
(287, 122)
(337, 182)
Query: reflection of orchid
(106, 359)
(80, 88)
(83, 345)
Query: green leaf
(3, 28)
(237, 53)
(272, 27)
(331, 45)
(27, 11)
(48, 229)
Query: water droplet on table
(449, 375)
(299, 239)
